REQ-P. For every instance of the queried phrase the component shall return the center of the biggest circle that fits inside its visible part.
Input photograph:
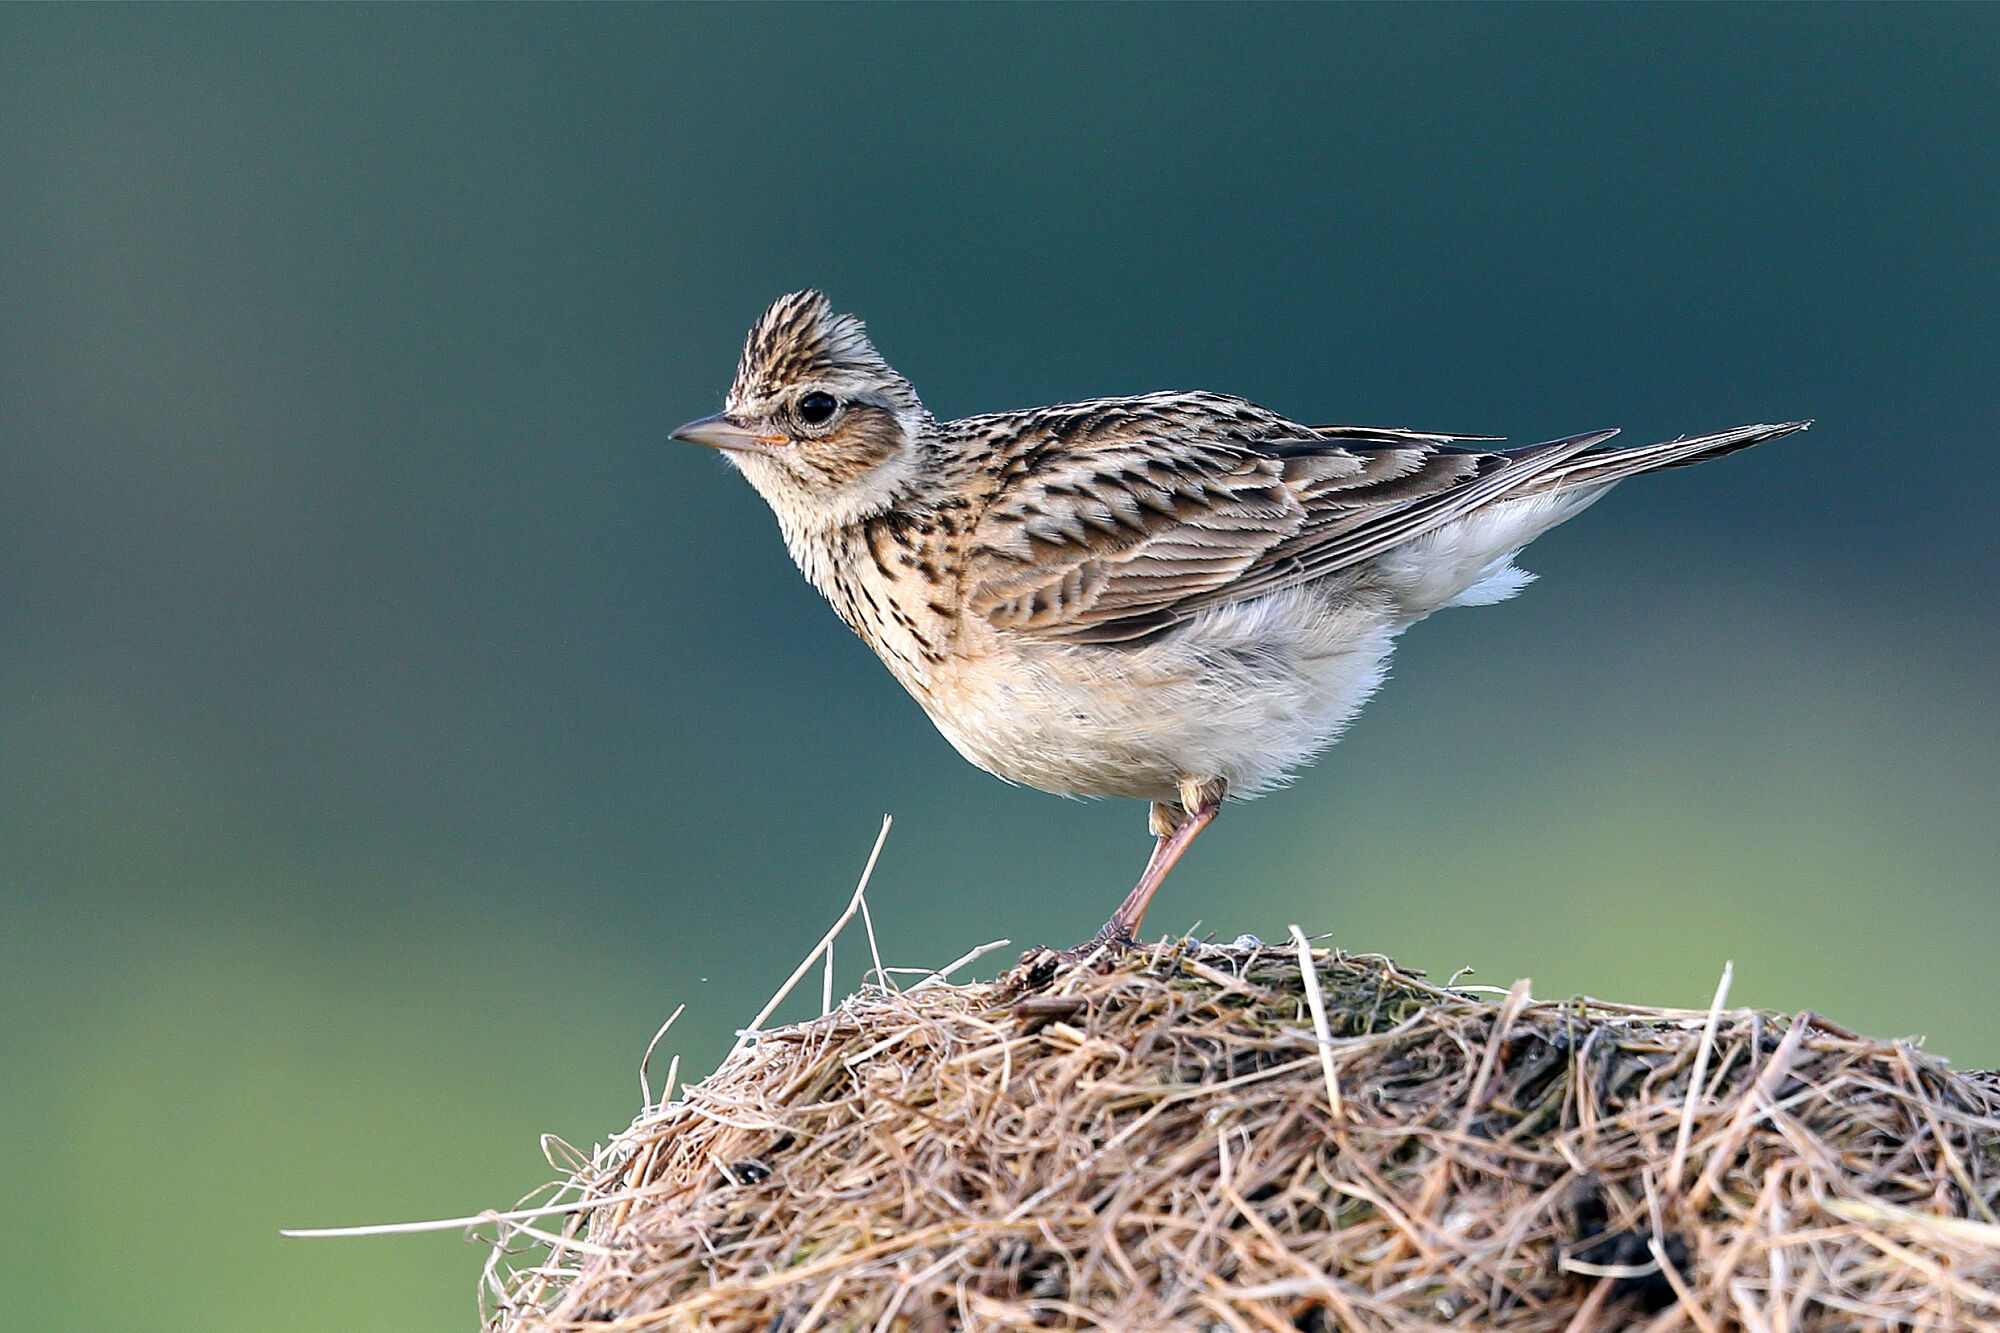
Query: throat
(887, 578)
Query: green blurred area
(394, 728)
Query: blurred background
(394, 727)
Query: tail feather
(1601, 467)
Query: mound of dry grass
(1211, 1138)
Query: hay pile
(1161, 1146)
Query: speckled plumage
(1167, 596)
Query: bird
(1176, 597)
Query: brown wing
(1108, 540)
(1120, 518)
(1105, 545)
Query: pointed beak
(719, 432)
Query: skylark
(1172, 597)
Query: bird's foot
(1102, 951)
(1105, 948)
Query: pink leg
(1122, 929)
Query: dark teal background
(394, 727)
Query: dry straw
(1271, 1138)
(1259, 1138)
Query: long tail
(1601, 467)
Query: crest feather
(800, 337)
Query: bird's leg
(1174, 827)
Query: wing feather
(1140, 512)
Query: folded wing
(1118, 535)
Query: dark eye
(816, 409)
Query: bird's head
(816, 419)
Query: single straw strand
(1698, 1078)
(1321, 1028)
(750, 1033)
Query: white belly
(1245, 693)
